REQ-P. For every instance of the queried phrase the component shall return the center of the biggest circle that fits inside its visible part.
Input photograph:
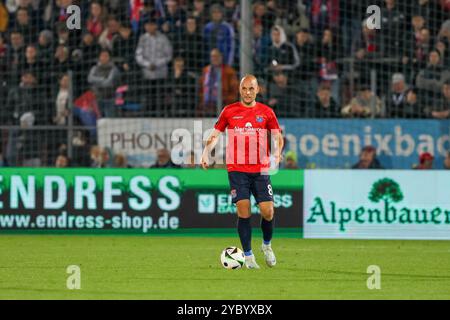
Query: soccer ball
(232, 258)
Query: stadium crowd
(177, 58)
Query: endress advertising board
(377, 204)
(132, 200)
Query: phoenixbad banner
(377, 204)
(132, 200)
(319, 143)
(338, 143)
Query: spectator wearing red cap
(368, 159)
(425, 161)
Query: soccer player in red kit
(249, 125)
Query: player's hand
(205, 162)
(278, 158)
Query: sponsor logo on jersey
(259, 119)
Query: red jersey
(248, 130)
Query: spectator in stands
(417, 44)
(121, 161)
(163, 160)
(29, 143)
(45, 47)
(199, 13)
(26, 109)
(444, 49)
(61, 110)
(174, 19)
(290, 161)
(209, 85)
(431, 79)
(104, 78)
(32, 63)
(123, 47)
(232, 12)
(282, 54)
(292, 17)
(396, 98)
(365, 105)
(56, 12)
(368, 159)
(189, 44)
(96, 19)
(26, 98)
(153, 54)
(61, 63)
(283, 98)
(181, 87)
(67, 37)
(261, 45)
(4, 17)
(432, 11)
(110, 33)
(447, 161)
(326, 106)
(411, 108)
(394, 20)
(426, 160)
(323, 14)
(328, 70)
(101, 157)
(95, 155)
(307, 71)
(62, 161)
(263, 16)
(84, 57)
(220, 34)
(15, 56)
(440, 109)
(367, 47)
(23, 25)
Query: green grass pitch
(174, 267)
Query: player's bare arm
(211, 143)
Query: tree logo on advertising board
(387, 190)
(389, 193)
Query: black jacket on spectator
(181, 94)
(288, 103)
(123, 50)
(21, 100)
(286, 55)
(394, 22)
(14, 60)
(191, 47)
(308, 67)
(406, 110)
(395, 104)
(320, 111)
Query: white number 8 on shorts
(269, 187)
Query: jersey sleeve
(222, 122)
(272, 123)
